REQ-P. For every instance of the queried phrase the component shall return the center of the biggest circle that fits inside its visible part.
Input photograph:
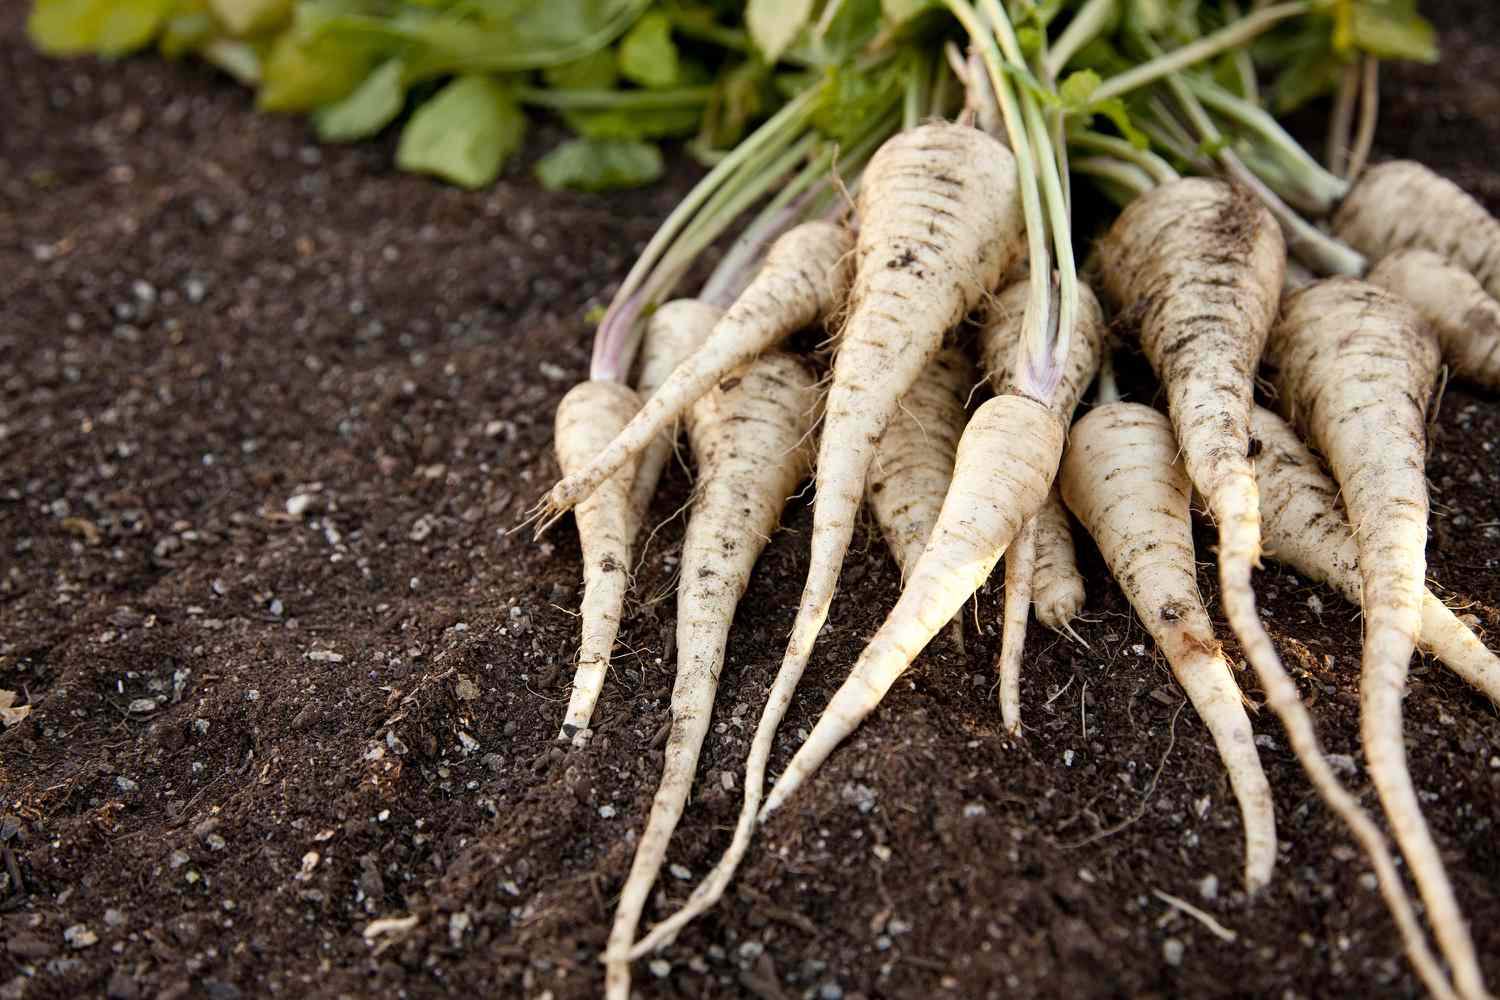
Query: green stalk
(1232, 36)
(1244, 65)
(1087, 24)
(619, 335)
(607, 100)
(1324, 190)
(1158, 169)
(1134, 180)
(750, 184)
(1052, 188)
(1035, 338)
(733, 272)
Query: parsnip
(1122, 477)
(750, 438)
(1354, 370)
(1198, 266)
(587, 418)
(1402, 204)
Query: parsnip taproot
(1305, 529)
(675, 331)
(1402, 204)
(587, 418)
(1197, 266)
(804, 278)
(1122, 478)
(1465, 316)
(1354, 370)
(750, 437)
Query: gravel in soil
(267, 409)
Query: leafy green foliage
(372, 106)
(600, 165)
(108, 27)
(464, 134)
(647, 55)
(775, 24)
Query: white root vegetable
(1040, 566)
(1006, 460)
(1402, 204)
(1305, 528)
(1199, 265)
(1465, 316)
(1354, 369)
(1122, 478)
(750, 438)
(914, 461)
(803, 279)
(675, 331)
(587, 418)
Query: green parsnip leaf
(372, 106)
(600, 165)
(244, 17)
(775, 24)
(647, 55)
(464, 134)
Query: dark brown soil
(202, 315)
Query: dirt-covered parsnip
(1465, 316)
(675, 331)
(803, 279)
(1006, 462)
(1123, 479)
(1197, 267)
(750, 437)
(1402, 204)
(1305, 528)
(1354, 369)
(588, 417)
(1041, 567)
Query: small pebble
(141, 706)
(660, 968)
(681, 873)
(607, 812)
(126, 785)
(79, 936)
(298, 504)
(750, 949)
(1209, 887)
(1171, 951)
(830, 991)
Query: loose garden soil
(267, 410)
